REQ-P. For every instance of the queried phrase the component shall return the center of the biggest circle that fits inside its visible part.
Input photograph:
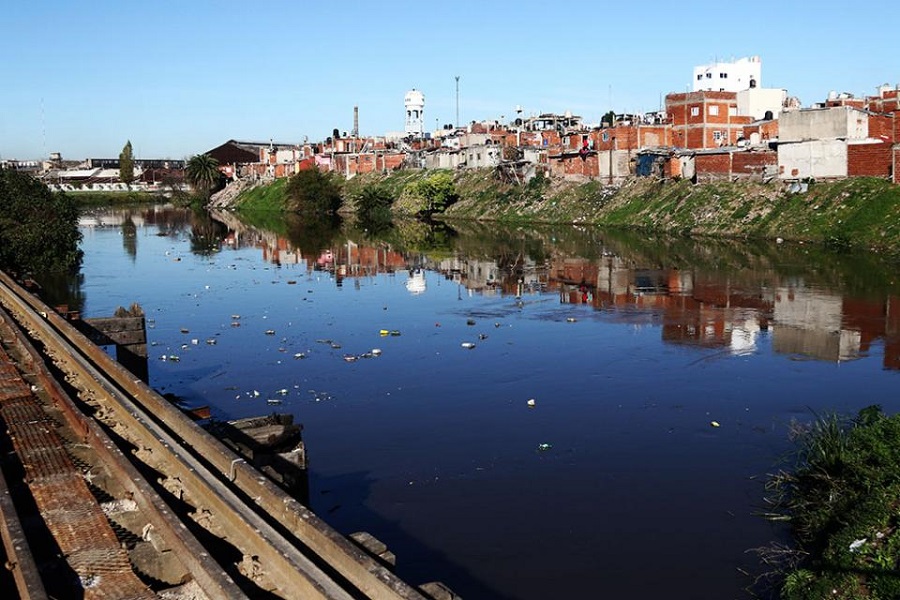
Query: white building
(414, 101)
(735, 76)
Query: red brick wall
(881, 126)
(747, 164)
(712, 166)
(869, 159)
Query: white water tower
(414, 101)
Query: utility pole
(457, 101)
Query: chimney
(356, 121)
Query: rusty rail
(298, 554)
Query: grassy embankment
(860, 212)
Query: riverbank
(854, 213)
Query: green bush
(38, 228)
(843, 502)
(428, 196)
(311, 191)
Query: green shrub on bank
(842, 500)
(429, 195)
(38, 228)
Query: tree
(311, 191)
(202, 172)
(126, 164)
(38, 228)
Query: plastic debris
(571, 319)
(211, 341)
(482, 336)
(857, 544)
(468, 345)
(531, 403)
(335, 345)
(714, 424)
(350, 357)
(300, 355)
(544, 447)
(376, 351)
(384, 332)
(235, 317)
(270, 332)
(273, 401)
(470, 322)
(394, 332)
(195, 341)
(185, 330)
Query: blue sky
(177, 79)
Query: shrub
(311, 191)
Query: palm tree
(202, 172)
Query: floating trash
(571, 319)
(384, 332)
(282, 392)
(270, 332)
(714, 424)
(292, 282)
(335, 345)
(544, 447)
(531, 403)
(300, 355)
(468, 345)
(376, 351)
(235, 324)
(235, 317)
(211, 342)
(496, 324)
(184, 346)
(394, 332)
(470, 322)
(350, 358)
(482, 336)
(174, 358)
(273, 401)
(185, 330)
(195, 341)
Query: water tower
(414, 101)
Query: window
(714, 110)
(605, 136)
(699, 76)
(732, 111)
(723, 75)
(695, 110)
(709, 75)
(718, 135)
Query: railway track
(115, 493)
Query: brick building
(704, 119)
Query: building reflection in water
(693, 307)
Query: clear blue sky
(177, 79)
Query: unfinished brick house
(705, 119)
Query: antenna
(457, 100)
(43, 130)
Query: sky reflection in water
(614, 484)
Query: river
(519, 413)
